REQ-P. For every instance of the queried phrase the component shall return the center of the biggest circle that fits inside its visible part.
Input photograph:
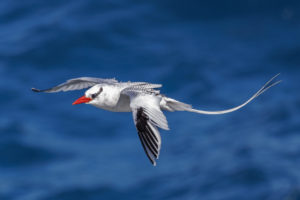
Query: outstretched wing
(148, 118)
(77, 84)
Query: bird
(145, 102)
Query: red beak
(82, 99)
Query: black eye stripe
(96, 94)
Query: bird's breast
(120, 104)
(123, 104)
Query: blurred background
(212, 54)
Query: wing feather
(77, 84)
(147, 118)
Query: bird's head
(90, 95)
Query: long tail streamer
(267, 86)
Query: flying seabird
(142, 99)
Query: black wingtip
(35, 90)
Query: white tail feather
(173, 105)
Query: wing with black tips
(148, 118)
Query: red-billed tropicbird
(143, 100)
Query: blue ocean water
(212, 54)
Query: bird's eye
(96, 94)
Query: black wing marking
(77, 84)
(146, 131)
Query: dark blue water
(212, 54)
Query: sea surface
(211, 54)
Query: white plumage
(143, 100)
